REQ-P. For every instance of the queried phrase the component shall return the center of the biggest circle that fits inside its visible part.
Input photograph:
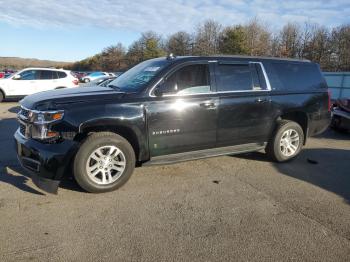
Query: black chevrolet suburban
(167, 110)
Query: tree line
(330, 47)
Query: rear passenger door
(46, 80)
(244, 110)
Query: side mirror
(158, 91)
(16, 77)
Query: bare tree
(113, 58)
(340, 48)
(290, 40)
(207, 38)
(328, 47)
(306, 35)
(258, 38)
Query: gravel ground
(241, 208)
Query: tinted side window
(29, 75)
(55, 75)
(298, 76)
(191, 79)
(61, 74)
(45, 75)
(234, 77)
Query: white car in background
(93, 76)
(32, 80)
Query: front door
(244, 111)
(25, 85)
(184, 117)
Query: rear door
(184, 117)
(46, 80)
(244, 111)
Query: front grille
(24, 112)
(22, 129)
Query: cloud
(167, 16)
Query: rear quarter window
(62, 74)
(295, 76)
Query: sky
(68, 30)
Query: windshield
(138, 76)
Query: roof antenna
(170, 56)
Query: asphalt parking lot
(241, 208)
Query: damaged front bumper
(47, 163)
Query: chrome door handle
(261, 100)
(209, 105)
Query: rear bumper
(47, 163)
(319, 123)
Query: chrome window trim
(265, 76)
(154, 86)
(268, 85)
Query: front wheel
(1, 96)
(287, 141)
(104, 162)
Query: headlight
(38, 123)
(41, 128)
(42, 117)
(42, 132)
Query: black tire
(273, 148)
(94, 142)
(1, 96)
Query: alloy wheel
(105, 165)
(289, 142)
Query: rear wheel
(104, 162)
(287, 141)
(1, 96)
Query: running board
(200, 154)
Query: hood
(49, 99)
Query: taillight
(76, 82)
(329, 101)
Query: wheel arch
(130, 134)
(3, 92)
(299, 117)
